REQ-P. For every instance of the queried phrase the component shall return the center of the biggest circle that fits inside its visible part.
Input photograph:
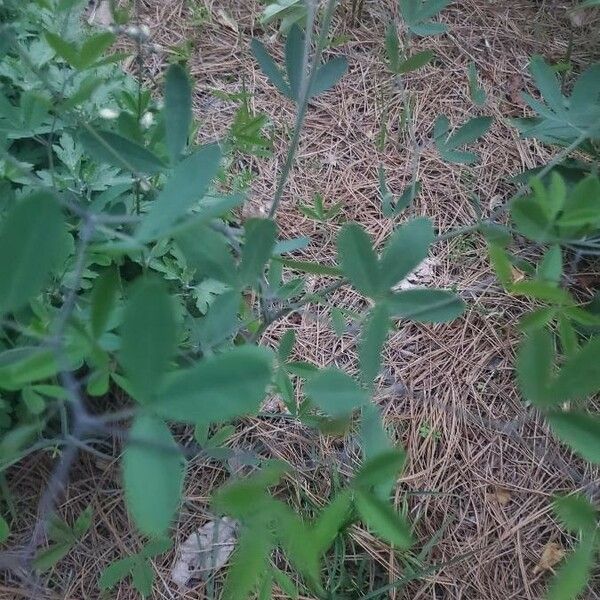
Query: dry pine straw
(489, 460)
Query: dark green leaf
(543, 291)
(416, 61)
(331, 520)
(384, 467)
(534, 366)
(83, 523)
(93, 48)
(294, 53)
(328, 75)
(148, 336)
(116, 150)
(269, 68)
(475, 90)
(371, 343)
(103, 297)
(407, 247)
(575, 512)
(64, 49)
(259, 240)
(178, 110)
(469, 132)
(115, 572)
(4, 530)
(286, 344)
(220, 323)
(47, 558)
(219, 388)
(571, 578)
(425, 305)
(383, 519)
(392, 47)
(580, 431)
(310, 267)
(185, 187)
(334, 392)
(547, 83)
(29, 249)
(551, 267)
(207, 253)
(424, 29)
(358, 260)
(142, 576)
(247, 564)
(153, 471)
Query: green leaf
(407, 247)
(380, 469)
(534, 366)
(157, 546)
(269, 68)
(185, 187)
(373, 337)
(425, 305)
(547, 83)
(93, 48)
(310, 267)
(178, 110)
(580, 431)
(331, 520)
(30, 244)
(469, 132)
(83, 523)
(572, 577)
(579, 377)
(575, 512)
(551, 267)
(221, 321)
(103, 298)
(294, 54)
(358, 260)
(286, 345)
(118, 151)
(231, 384)
(416, 61)
(383, 519)
(392, 47)
(4, 530)
(259, 241)
(115, 572)
(328, 75)
(148, 336)
(531, 220)
(425, 29)
(207, 253)
(153, 470)
(247, 563)
(476, 92)
(142, 576)
(47, 558)
(501, 262)
(334, 392)
(67, 51)
(543, 291)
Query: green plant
(317, 210)
(122, 265)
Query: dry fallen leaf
(421, 276)
(223, 18)
(551, 555)
(206, 550)
(500, 495)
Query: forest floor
(482, 468)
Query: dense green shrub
(121, 266)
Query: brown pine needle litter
(482, 468)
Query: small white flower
(108, 113)
(145, 31)
(133, 31)
(144, 185)
(147, 120)
(160, 104)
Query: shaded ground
(482, 468)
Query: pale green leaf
(177, 110)
(426, 305)
(334, 392)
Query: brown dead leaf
(224, 19)
(551, 556)
(500, 495)
(517, 274)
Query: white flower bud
(108, 113)
(147, 120)
(144, 31)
